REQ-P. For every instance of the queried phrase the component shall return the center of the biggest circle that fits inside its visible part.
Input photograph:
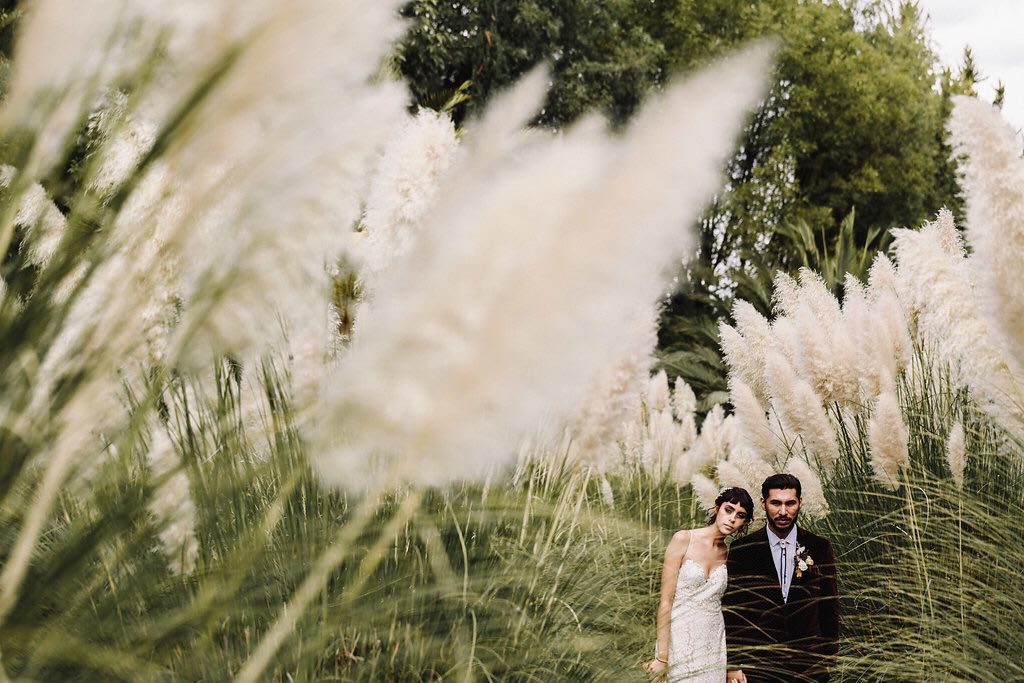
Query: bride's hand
(656, 668)
(736, 676)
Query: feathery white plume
(811, 491)
(993, 183)
(299, 149)
(662, 442)
(717, 436)
(43, 222)
(614, 398)
(824, 355)
(880, 337)
(521, 278)
(888, 441)
(127, 137)
(755, 430)
(786, 294)
(745, 345)
(659, 396)
(891, 328)
(801, 412)
(607, 495)
(404, 187)
(705, 491)
(684, 405)
(935, 284)
(956, 453)
(171, 504)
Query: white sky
(995, 31)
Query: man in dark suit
(782, 605)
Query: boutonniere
(803, 560)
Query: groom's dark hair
(780, 481)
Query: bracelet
(663, 661)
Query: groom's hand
(735, 676)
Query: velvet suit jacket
(772, 640)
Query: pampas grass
(936, 285)
(993, 180)
(887, 440)
(166, 333)
(412, 398)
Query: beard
(787, 524)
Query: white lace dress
(697, 629)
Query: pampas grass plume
(752, 422)
(812, 492)
(684, 405)
(745, 345)
(936, 286)
(956, 453)
(528, 257)
(705, 491)
(888, 441)
(171, 504)
(404, 185)
(801, 411)
(993, 183)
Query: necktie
(783, 574)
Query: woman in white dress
(691, 630)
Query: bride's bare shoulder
(681, 539)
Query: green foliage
(854, 124)
(10, 13)
(601, 54)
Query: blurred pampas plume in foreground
(172, 506)
(221, 153)
(512, 301)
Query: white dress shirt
(785, 573)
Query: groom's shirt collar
(774, 539)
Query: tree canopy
(601, 54)
(849, 144)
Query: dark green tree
(601, 54)
(849, 143)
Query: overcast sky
(995, 31)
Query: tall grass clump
(269, 346)
(903, 401)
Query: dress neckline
(706, 573)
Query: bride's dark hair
(736, 496)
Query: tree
(600, 53)
(854, 123)
(854, 126)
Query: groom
(782, 605)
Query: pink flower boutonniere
(803, 560)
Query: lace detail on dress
(697, 629)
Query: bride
(691, 631)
